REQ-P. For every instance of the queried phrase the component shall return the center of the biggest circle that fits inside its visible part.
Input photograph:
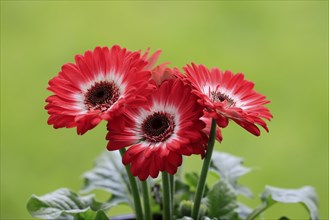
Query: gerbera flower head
(159, 132)
(97, 86)
(229, 96)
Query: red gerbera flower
(229, 96)
(96, 87)
(159, 132)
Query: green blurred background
(281, 46)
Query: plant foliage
(220, 201)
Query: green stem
(204, 171)
(146, 195)
(167, 211)
(257, 211)
(134, 188)
(172, 190)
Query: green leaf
(64, 204)
(100, 215)
(182, 192)
(115, 200)
(109, 174)
(305, 195)
(230, 168)
(192, 180)
(221, 201)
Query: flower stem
(167, 211)
(204, 171)
(172, 190)
(257, 211)
(134, 189)
(146, 195)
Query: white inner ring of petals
(111, 76)
(209, 89)
(162, 108)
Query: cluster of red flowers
(158, 113)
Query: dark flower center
(158, 127)
(221, 97)
(101, 96)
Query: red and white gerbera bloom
(229, 96)
(159, 132)
(97, 86)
